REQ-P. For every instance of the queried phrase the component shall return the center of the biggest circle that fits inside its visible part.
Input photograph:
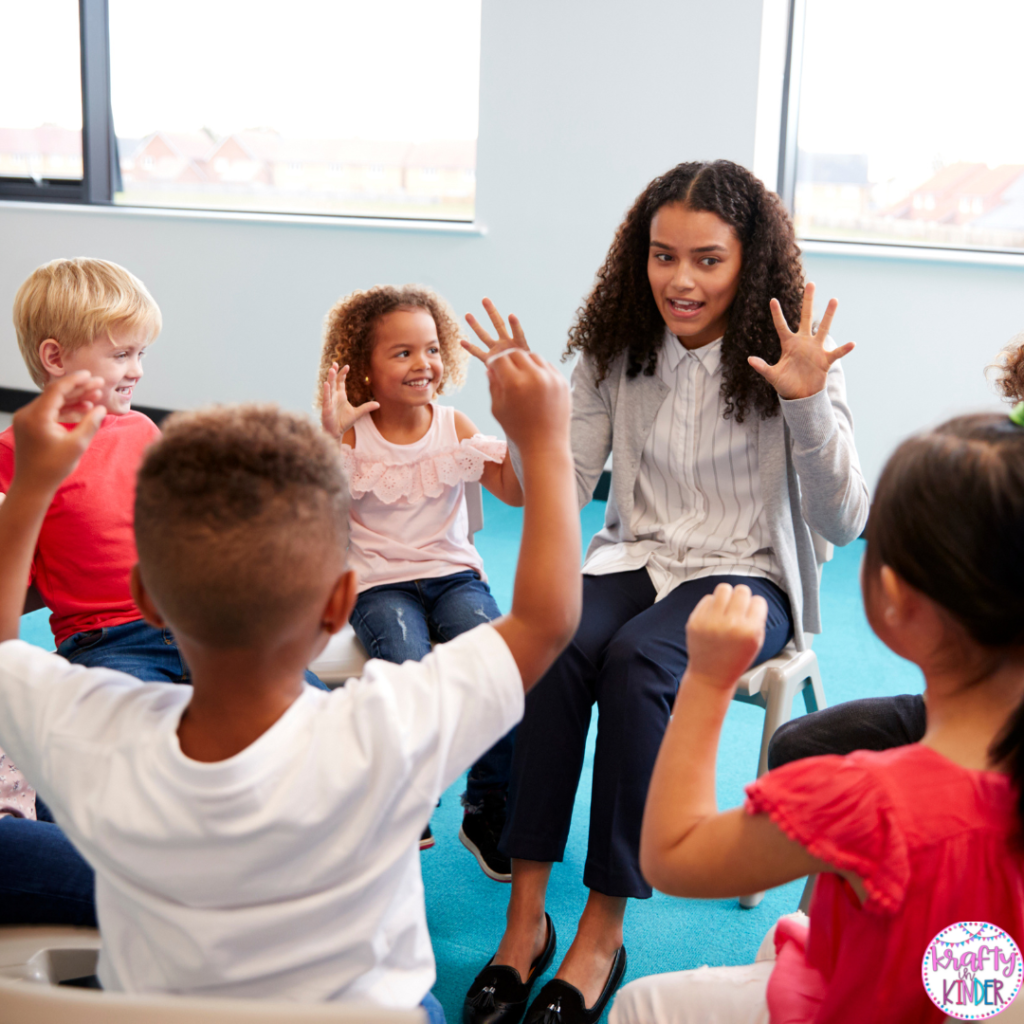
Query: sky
(386, 69)
(914, 84)
(911, 85)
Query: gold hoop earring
(366, 380)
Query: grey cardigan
(810, 474)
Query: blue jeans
(397, 621)
(44, 878)
(435, 1011)
(138, 649)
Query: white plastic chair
(344, 656)
(35, 959)
(774, 684)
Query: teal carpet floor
(466, 910)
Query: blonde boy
(90, 315)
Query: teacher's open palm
(803, 366)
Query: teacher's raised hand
(504, 342)
(803, 366)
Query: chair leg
(814, 691)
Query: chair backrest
(28, 1002)
(474, 506)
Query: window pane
(343, 107)
(911, 123)
(40, 90)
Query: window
(217, 104)
(40, 99)
(908, 123)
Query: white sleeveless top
(409, 519)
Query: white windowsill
(447, 227)
(922, 253)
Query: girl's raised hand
(337, 414)
(803, 366)
(724, 633)
(504, 341)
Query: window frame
(100, 167)
(789, 128)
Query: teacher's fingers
(779, 319)
(826, 320)
(807, 309)
(838, 353)
(763, 368)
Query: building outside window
(911, 123)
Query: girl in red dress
(906, 842)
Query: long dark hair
(620, 315)
(948, 517)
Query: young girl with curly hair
(731, 441)
(408, 459)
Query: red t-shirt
(87, 544)
(933, 844)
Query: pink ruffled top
(409, 517)
(931, 842)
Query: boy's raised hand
(530, 399)
(505, 341)
(803, 366)
(46, 451)
(337, 414)
(724, 633)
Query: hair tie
(1017, 415)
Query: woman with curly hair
(408, 460)
(731, 441)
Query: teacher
(731, 441)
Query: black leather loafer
(558, 1002)
(499, 995)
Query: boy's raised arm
(530, 399)
(45, 453)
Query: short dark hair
(237, 510)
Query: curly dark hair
(620, 314)
(1011, 370)
(348, 336)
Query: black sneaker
(427, 839)
(480, 832)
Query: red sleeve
(6, 476)
(838, 809)
(6, 465)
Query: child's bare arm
(498, 477)
(686, 847)
(530, 399)
(45, 453)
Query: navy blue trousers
(627, 657)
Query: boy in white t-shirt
(251, 835)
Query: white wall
(582, 102)
(925, 331)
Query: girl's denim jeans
(398, 621)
